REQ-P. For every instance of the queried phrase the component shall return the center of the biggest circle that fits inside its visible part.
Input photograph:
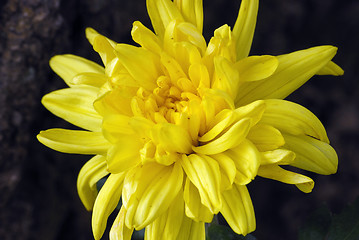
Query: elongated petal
(119, 231)
(142, 64)
(227, 168)
(194, 208)
(117, 101)
(145, 37)
(89, 78)
(191, 230)
(148, 192)
(168, 226)
(222, 120)
(293, 71)
(243, 29)
(89, 175)
(265, 137)
(105, 203)
(124, 154)
(256, 68)
(68, 66)
(75, 105)
(247, 159)
(192, 11)
(253, 110)
(304, 183)
(204, 173)
(277, 156)
(74, 141)
(231, 138)
(161, 13)
(238, 210)
(116, 126)
(293, 118)
(312, 154)
(331, 69)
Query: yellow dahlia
(181, 126)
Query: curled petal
(194, 208)
(204, 173)
(89, 175)
(106, 202)
(265, 137)
(238, 210)
(243, 29)
(294, 69)
(230, 139)
(277, 156)
(68, 66)
(331, 69)
(304, 183)
(145, 37)
(293, 118)
(192, 11)
(247, 159)
(161, 13)
(312, 154)
(75, 105)
(74, 141)
(256, 68)
(119, 231)
(141, 64)
(148, 192)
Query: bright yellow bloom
(182, 126)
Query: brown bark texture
(38, 198)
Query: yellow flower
(182, 126)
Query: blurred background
(38, 198)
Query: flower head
(181, 126)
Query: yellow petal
(148, 192)
(68, 66)
(142, 64)
(194, 208)
(104, 48)
(168, 226)
(222, 120)
(116, 127)
(243, 29)
(254, 111)
(124, 154)
(293, 118)
(145, 37)
(265, 137)
(227, 168)
(331, 69)
(105, 203)
(161, 13)
(119, 231)
(75, 105)
(89, 175)
(226, 76)
(191, 230)
(238, 210)
(230, 139)
(312, 154)
(91, 34)
(204, 173)
(304, 183)
(293, 71)
(92, 79)
(277, 156)
(192, 11)
(247, 159)
(74, 141)
(256, 68)
(171, 137)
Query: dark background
(38, 198)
